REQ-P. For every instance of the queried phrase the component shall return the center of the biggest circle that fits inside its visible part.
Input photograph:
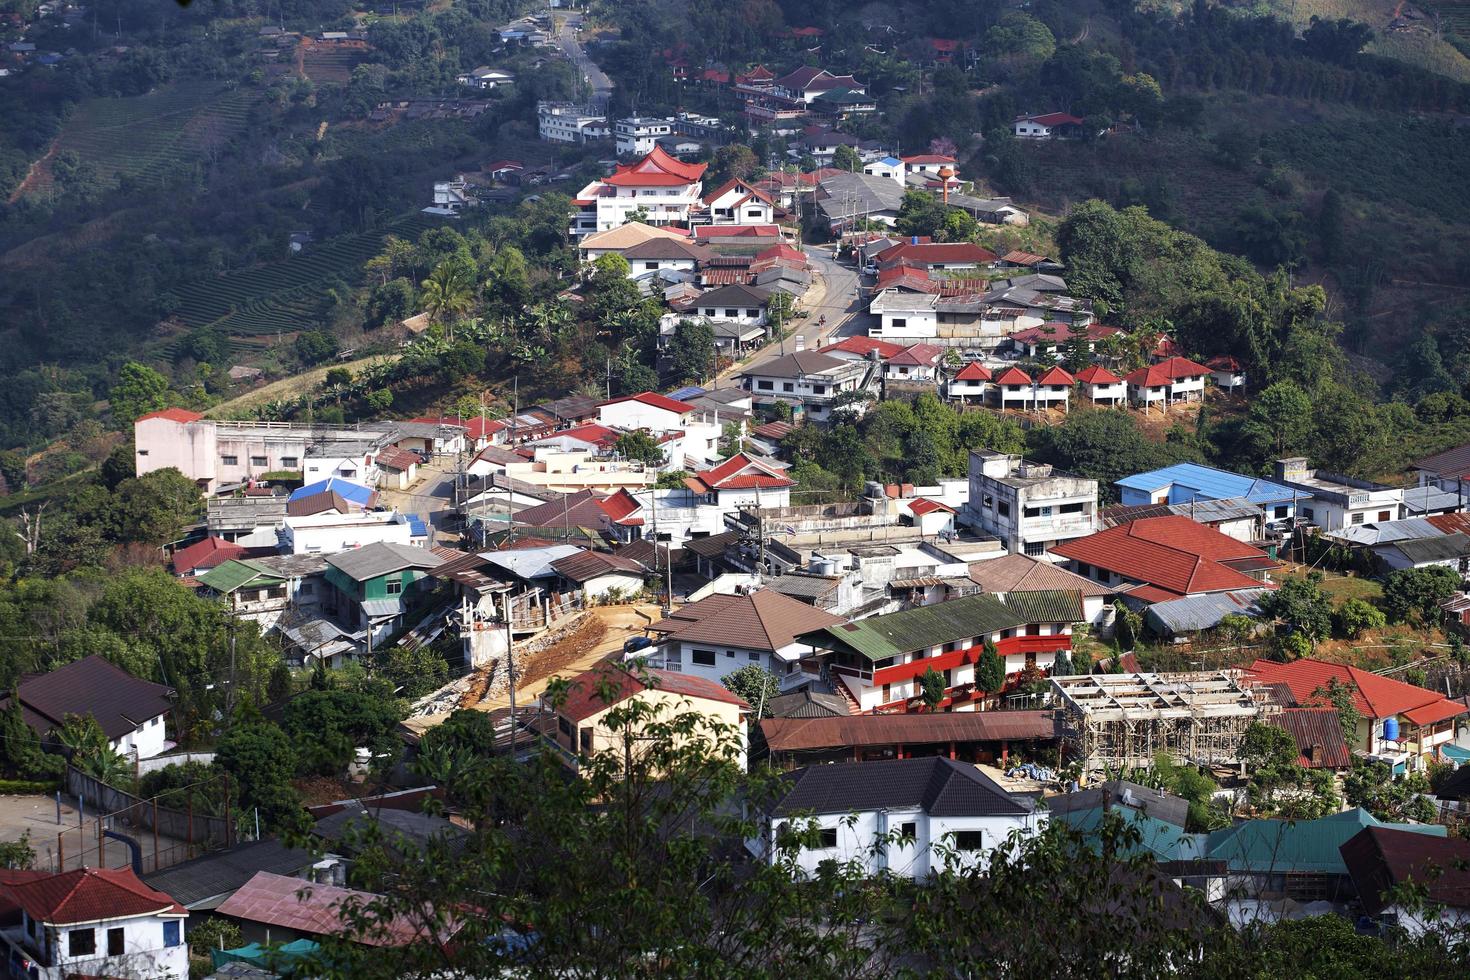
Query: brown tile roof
(1379, 859)
(395, 458)
(1018, 573)
(320, 503)
(587, 565)
(765, 621)
(119, 701)
(802, 734)
(607, 684)
(315, 910)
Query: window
(819, 389)
(307, 588)
(754, 656)
(1357, 518)
(1307, 513)
(752, 313)
(1384, 515)
(172, 934)
(114, 942)
(259, 461)
(899, 321)
(1033, 629)
(1070, 509)
(1003, 509)
(290, 462)
(587, 739)
(394, 588)
(229, 460)
(1281, 510)
(347, 474)
(650, 265)
(969, 840)
(909, 829)
(887, 693)
(764, 385)
(827, 838)
(81, 942)
(729, 654)
(732, 313)
(704, 658)
(565, 726)
(1035, 549)
(142, 452)
(787, 386)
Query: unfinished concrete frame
(1113, 721)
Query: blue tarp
(354, 493)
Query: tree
(91, 751)
(1339, 696)
(990, 671)
(639, 445)
(846, 158)
(932, 687)
(1372, 785)
(139, 390)
(449, 292)
(1281, 416)
(1338, 41)
(213, 934)
(1105, 446)
(157, 507)
(1301, 604)
(1076, 350)
(734, 160)
(329, 726)
(315, 346)
(1414, 594)
(21, 755)
(18, 854)
(415, 672)
(1278, 782)
(260, 760)
(1062, 665)
(691, 352)
(1356, 617)
(757, 685)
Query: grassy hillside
(1417, 44)
(149, 137)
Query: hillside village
(741, 540)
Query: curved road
(571, 46)
(840, 304)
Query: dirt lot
(36, 815)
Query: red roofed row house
(1403, 724)
(1172, 380)
(1015, 388)
(664, 188)
(976, 384)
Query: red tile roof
(920, 355)
(208, 553)
(936, 253)
(1013, 376)
(1056, 333)
(1054, 119)
(782, 251)
(475, 427)
(1374, 696)
(1056, 376)
(651, 398)
(740, 472)
(1382, 859)
(1223, 362)
(606, 685)
(974, 371)
(1172, 553)
(862, 345)
(745, 186)
(923, 158)
(1096, 374)
(591, 432)
(181, 415)
(658, 169)
(88, 895)
(619, 505)
(924, 506)
(316, 910)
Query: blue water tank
(1391, 729)
(914, 240)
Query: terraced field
(252, 308)
(149, 137)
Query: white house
(743, 481)
(1103, 387)
(691, 434)
(738, 202)
(1047, 126)
(903, 315)
(130, 711)
(1174, 379)
(808, 381)
(329, 533)
(1339, 501)
(909, 817)
(971, 384)
(659, 186)
(637, 135)
(1028, 506)
(92, 922)
(720, 634)
(599, 574)
(1228, 373)
(566, 122)
(735, 303)
(917, 362)
(485, 78)
(890, 167)
(1013, 388)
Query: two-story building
(91, 922)
(659, 187)
(735, 304)
(970, 384)
(568, 122)
(1102, 387)
(1339, 501)
(1184, 483)
(1029, 506)
(1172, 380)
(739, 202)
(637, 135)
(877, 662)
(743, 481)
(808, 381)
(373, 586)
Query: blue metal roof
(1209, 483)
(417, 526)
(891, 162)
(684, 394)
(354, 493)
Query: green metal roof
(228, 576)
(1162, 840)
(914, 629)
(1297, 847)
(1047, 606)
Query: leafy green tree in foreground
(138, 391)
(758, 686)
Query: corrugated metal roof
(1297, 846)
(1209, 482)
(235, 573)
(1386, 532)
(380, 558)
(914, 629)
(803, 734)
(1317, 731)
(941, 787)
(1202, 612)
(1419, 551)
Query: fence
(164, 761)
(180, 825)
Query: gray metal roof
(1387, 532)
(848, 195)
(529, 563)
(1202, 612)
(216, 875)
(1430, 500)
(381, 558)
(1447, 547)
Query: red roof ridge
(181, 415)
(652, 398)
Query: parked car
(635, 643)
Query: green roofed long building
(877, 663)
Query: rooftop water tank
(1391, 729)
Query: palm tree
(448, 292)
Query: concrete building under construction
(1113, 721)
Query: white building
(1046, 126)
(1339, 501)
(692, 434)
(810, 382)
(638, 135)
(664, 190)
(1102, 387)
(902, 816)
(92, 922)
(903, 315)
(329, 533)
(890, 167)
(130, 711)
(737, 202)
(566, 122)
(1029, 506)
(734, 304)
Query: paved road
(840, 304)
(567, 39)
(431, 497)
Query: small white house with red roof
(738, 202)
(1054, 389)
(1013, 388)
(862, 349)
(663, 187)
(1102, 387)
(1054, 335)
(743, 481)
(931, 164)
(691, 435)
(1228, 372)
(931, 517)
(1049, 125)
(92, 922)
(1172, 380)
(917, 362)
(936, 256)
(970, 385)
(590, 437)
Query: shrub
(1356, 617)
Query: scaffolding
(1118, 721)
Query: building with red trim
(1171, 380)
(1403, 724)
(1050, 125)
(737, 202)
(877, 662)
(1103, 387)
(662, 187)
(743, 481)
(970, 384)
